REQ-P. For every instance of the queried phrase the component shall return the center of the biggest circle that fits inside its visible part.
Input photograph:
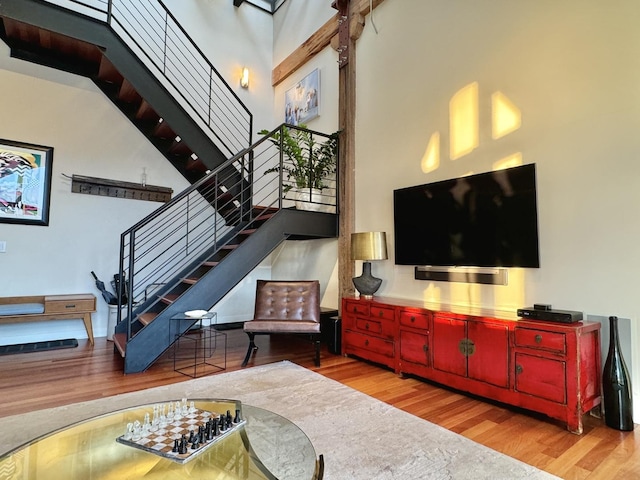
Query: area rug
(359, 436)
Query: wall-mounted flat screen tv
(484, 220)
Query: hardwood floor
(40, 380)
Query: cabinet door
(414, 347)
(448, 333)
(541, 377)
(488, 359)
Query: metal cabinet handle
(519, 369)
(366, 326)
(380, 313)
(538, 338)
(366, 343)
(425, 348)
(413, 319)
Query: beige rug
(359, 436)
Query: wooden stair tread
(128, 93)
(120, 342)
(147, 317)
(169, 298)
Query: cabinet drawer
(529, 337)
(358, 341)
(357, 308)
(368, 326)
(69, 304)
(541, 377)
(413, 319)
(382, 313)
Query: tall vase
(616, 384)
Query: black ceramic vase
(616, 384)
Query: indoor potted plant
(306, 163)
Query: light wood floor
(35, 381)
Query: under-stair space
(193, 250)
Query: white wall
(570, 68)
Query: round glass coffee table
(266, 446)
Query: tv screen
(484, 220)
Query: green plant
(306, 162)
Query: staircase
(146, 64)
(193, 250)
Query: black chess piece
(216, 427)
(237, 418)
(183, 445)
(176, 445)
(191, 435)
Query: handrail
(153, 32)
(171, 243)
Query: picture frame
(302, 101)
(25, 183)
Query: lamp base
(366, 283)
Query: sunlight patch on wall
(431, 158)
(505, 116)
(463, 121)
(432, 294)
(513, 160)
(513, 294)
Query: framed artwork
(25, 183)
(302, 101)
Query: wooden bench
(53, 307)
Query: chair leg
(252, 348)
(317, 342)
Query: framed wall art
(302, 101)
(25, 183)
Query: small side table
(199, 349)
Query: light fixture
(368, 246)
(244, 79)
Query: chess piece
(237, 418)
(176, 446)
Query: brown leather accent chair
(285, 306)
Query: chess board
(161, 441)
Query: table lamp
(368, 246)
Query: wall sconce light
(244, 79)
(368, 246)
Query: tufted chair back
(285, 306)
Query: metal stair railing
(171, 243)
(154, 34)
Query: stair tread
(170, 297)
(120, 341)
(147, 317)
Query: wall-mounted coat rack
(119, 189)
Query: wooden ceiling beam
(318, 41)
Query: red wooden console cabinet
(551, 368)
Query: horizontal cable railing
(154, 34)
(169, 245)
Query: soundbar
(559, 316)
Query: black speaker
(331, 330)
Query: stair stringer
(153, 340)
